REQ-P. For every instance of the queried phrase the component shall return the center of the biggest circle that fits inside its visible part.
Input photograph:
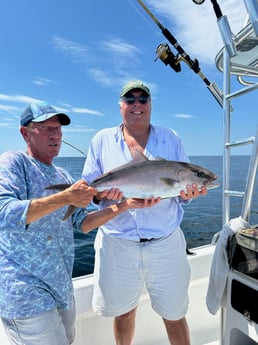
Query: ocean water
(202, 218)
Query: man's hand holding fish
(193, 192)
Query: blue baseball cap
(40, 112)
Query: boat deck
(95, 330)
(150, 330)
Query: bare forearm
(78, 194)
(98, 218)
(41, 207)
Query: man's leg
(124, 327)
(178, 332)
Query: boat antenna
(76, 148)
(165, 54)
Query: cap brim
(125, 90)
(63, 118)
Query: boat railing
(247, 194)
(249, 189)
(243, 64)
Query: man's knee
(127, 316)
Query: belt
(146, 239)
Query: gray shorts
(123, 267)
(54, 327)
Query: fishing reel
(165, 54)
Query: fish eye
(200, 174)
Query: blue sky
(78, 54)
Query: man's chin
(54, 151)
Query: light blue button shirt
(109, 150)
(36, 260)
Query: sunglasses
(131, 99)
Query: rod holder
(226, 35)
(252, 10)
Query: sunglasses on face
(131, 99)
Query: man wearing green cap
(140, 247)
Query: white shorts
(123, 267)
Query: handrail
(224, 60)
(249, 190)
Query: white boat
(228, 326)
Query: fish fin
(168, 181)
(140, 158)
(58, 186)
(69, 212)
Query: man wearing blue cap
(36, 246)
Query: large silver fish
(144, 178)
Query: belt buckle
(145, 239)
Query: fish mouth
(213, 185)
(210, 182)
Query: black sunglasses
(131, 99)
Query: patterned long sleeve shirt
(36, 260)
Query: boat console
(241, 321)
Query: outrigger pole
(166, 55)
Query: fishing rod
(76, 148)
(165, 54)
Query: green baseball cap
(134, 84)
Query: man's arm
(98, 218)
(78, 194)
